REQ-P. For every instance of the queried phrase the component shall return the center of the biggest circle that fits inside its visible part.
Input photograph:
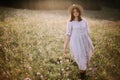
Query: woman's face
(75, 13)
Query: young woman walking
(77, 33)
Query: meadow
(31, 45)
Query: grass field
(31, 45)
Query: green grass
(31, 45)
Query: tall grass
(31, 45)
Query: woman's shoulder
(69, 22)
(84, 19)
(72, 22)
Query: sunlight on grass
(31, 44)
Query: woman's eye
(73, 11)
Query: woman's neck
(76, 19)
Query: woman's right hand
(65, 53)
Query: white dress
(81, 45)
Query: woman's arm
(66, 44)
(68, 34)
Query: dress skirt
(81, 46)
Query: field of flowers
(31, 45)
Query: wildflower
(40, 50)
(66, 74)
(60, 62)
(90, 69)
(60, 58)
(27, 79)
(41, 76)
(29, 68)
(62, 69)
(67, 60)
(0, 45)
(38, 73)
(67, 68)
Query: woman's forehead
(75, 9)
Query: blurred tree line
(60, 4)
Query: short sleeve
(69, 29)
(87, 25)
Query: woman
(77, 32)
